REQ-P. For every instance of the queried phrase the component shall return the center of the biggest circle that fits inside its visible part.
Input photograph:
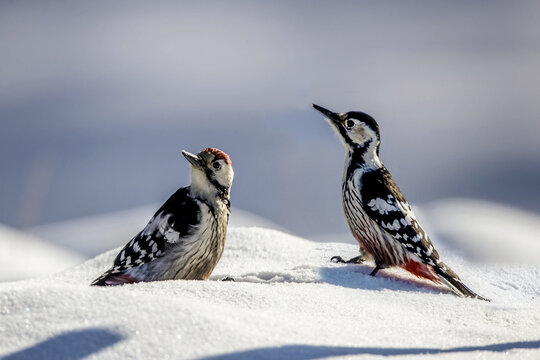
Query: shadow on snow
(307, 352)
(357, 277)
(72, 345)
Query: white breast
(372, 239)
(192, 257)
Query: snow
(23, 256)
(485, 231)
(288, 301)
(92, 235)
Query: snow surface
(486, 231)
(23, 256)
(288, 301)
(92, 235)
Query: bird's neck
(363, 158)
(371, 161)
(213, 194)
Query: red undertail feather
(421, 270)
(121, 279)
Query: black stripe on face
(372, 125)
(366, 119)
(223, 191)
(344, 134)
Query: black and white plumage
(186, 236)
(376, 211)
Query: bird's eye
(216, 165)
(349, 124)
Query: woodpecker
(186, 236)
(376, 211)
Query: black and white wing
(385, 204)
(176, 219)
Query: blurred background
(98, 98)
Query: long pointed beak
(335, 118)
(193, 159)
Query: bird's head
(211, 173)
(357, 130)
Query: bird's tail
(452, 280)
(111, 279)
(101, 281)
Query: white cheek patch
(358, 134)
(225, 176)
(201, 185)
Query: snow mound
(23, 256)
(92, 235)
(288, 301)
(486, 231)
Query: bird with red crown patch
(186, 236)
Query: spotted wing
(385, 204)
(177, 219)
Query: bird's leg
(228, 278)
(354, 260)
(374, 272)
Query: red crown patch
(218, 154)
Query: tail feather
(452, 280)
(109, 279)
(100, 281)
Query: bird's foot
(374, 272)
(228, 278)
(354, 260)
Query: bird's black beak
(333, 117)
(193, 159)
